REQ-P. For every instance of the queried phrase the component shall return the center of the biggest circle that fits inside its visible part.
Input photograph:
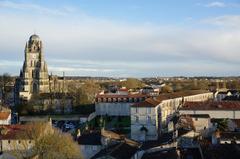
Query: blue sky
(136, 38)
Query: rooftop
(211, 105)
(116, 95)
(120, 150)
(4, 115)
(90, 139)
(10, 132)
(225, 151)
(199, 115)
(149, 102)
(168, 154)
(166, 96)
(34, 37)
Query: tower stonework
(34, 78)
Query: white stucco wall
(160, 115)
(201, 123)
(113, 109)
(218, 114)
(7, 121)
(199, 97)
(10, 145)
(147, 117)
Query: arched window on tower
(35, 87)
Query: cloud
(224, 21)
(80, 44)
(216, 4)
(35, 8)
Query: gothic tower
(34, 74)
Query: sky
(124, 38)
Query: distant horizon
(119, 77)
(126, 38)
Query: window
(148, 110)
(148, 119)
(136, 119)
(136, 110)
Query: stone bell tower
(34, 74)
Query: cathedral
(34, 77)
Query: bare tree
(5, 79)
(50, 143)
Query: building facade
(145, 120)
(150, 118)
(5, 116)
(34, 78)
(216, 110)
(116, 104)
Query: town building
(5, 116)
(90, 144)
(34, 77)
(106, 144)
(200, 123)
(144, 120)
(56, 102)
(35, 81)
(13, 138)
(150, 118)
(216, 110)
(116, 104)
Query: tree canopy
(50, 143)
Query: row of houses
(149, 115)
(150, 118)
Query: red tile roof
(173, 95)
(9, 132)
(209, 105)
(147, 103)
(4, 115)
(123, 89)
(154, 102)
(120, 96)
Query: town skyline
(127, 39)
